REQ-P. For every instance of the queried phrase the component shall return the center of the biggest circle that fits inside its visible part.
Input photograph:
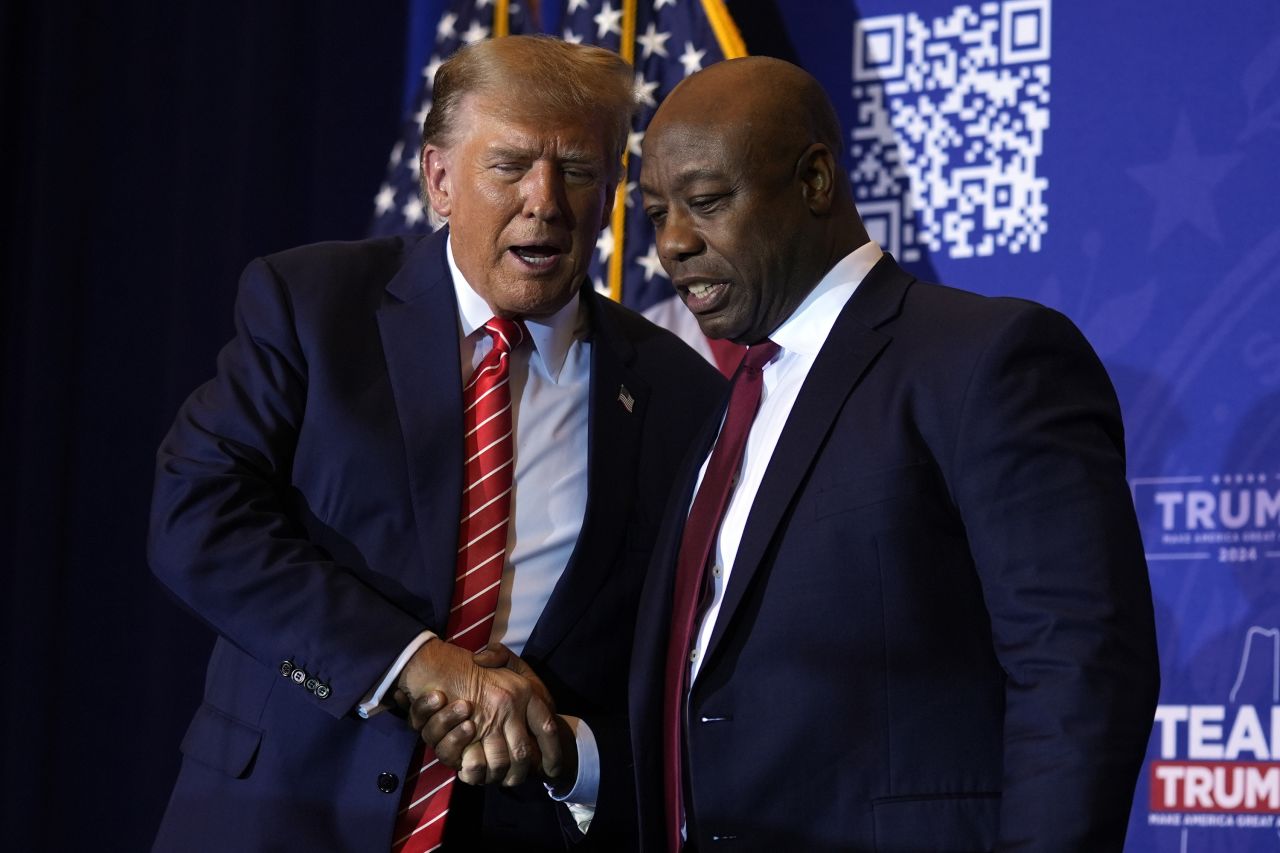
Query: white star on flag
(397, 151)
(661, 3)
(634, 138)
(604, 243)
(691, 59)
(571, 37)
(412, 211)
(575, 5)
(608, 21)
(651, 263)
(653, 41)
(476, 32)
(445, 29)
(430, 69)
(385, 199)
(630, 194)
(644, 91)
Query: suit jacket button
(322, 691)
(312, 684)
(299, 676)
(286, 668)
(387, 782)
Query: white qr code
(951, 118)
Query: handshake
(486, 715)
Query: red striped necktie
(696, 550)
(482, 547)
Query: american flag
(666, 41)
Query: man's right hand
(513, 715)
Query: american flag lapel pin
(624, 397)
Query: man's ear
(437, 176)
(816, 171)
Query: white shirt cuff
(372, 704)
(581, 798)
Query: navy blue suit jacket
(306, 507)
(938, 632)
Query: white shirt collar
(552, 336)
(806, 330)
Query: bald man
(913, 613)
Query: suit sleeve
(1041, 489)
(224, 535)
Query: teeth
(700, 290)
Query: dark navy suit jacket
(938, 632)
(306, 508)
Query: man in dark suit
(913, 614)
(308, 498)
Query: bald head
(742, 181)
(777, 101)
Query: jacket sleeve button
(322, 691)
(286, 668)
(299, 676)
(387, 782)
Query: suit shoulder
(316, 264)
(661, 357)
(950, 311)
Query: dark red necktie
(696, 550)
(482, 548)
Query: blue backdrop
(1119, 162)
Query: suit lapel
(419, 328)
(845, 357)
(618, 404)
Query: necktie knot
(758, 355)
(507, 334)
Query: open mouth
(537, 257)
(701, 296)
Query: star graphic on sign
(608, 21)
(445, 29)
(571, 37)
(634, 138)
(476, 32)
(575, 5)
(384, 200)
(429, 71)
(604, 244)
(691, 59)
(412, 211)
(651, 263)
(653, 41)
(644, 91)
(1182, 186)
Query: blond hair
(553, 79)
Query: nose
(677, 239)
(543, 187)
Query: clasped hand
(486, 715)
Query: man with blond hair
(412, 450)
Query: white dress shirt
(801, 336)
(550, 383)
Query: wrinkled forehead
(681, 151)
